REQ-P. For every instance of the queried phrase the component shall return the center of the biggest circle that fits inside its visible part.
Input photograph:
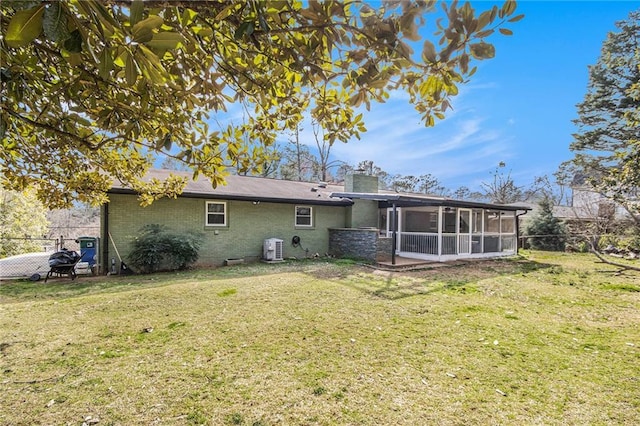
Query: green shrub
(158, 249)
(609, 240)
(546, 231)
(631, 243)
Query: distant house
(589, 205)
(242, 218)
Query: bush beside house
(159, 249)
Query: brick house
(352, 220)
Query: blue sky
(517, 108)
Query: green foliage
(22, 216)
(157, 249)
(94, 91)
(632, 242)
(548, 231)
(606, 144)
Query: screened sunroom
(431, 228)
(450, 232)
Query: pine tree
(605, 145)
(548, 231)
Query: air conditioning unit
(272, 250)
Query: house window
(304, 216)
(216, 213)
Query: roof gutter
(409, 201)
(277, 200)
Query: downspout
(393, 235)
(518, 229)
(104, 240)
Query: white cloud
(457, 146)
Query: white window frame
(207, 213)
(310, 216)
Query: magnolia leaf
(135, 11)
(482, 50)
(429, 52)
(75, 59)
(464, 63)
(103, 13)
(143, 30)
(187, 17)
(226, 12)
(430, 121)
(152, 22)
(451, 89)
(508, 7)
(165, 142)
(484, 19)
(143, 35)
(505, 31)
(24, 27)
(106, 64)
(74, 43)
(121, 57)
(202, 31)
(516, 18)
(165, 41)
(246, 28)
(131, 71)
(485, 33)
(54, 23)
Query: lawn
(546, 338)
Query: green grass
(547, 338)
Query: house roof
(388, 199)
(249, 188)
(253, 188)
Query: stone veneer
(359, 243)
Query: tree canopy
(606, 145)
(22, 217)
(92, 91)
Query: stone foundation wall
(358, 243)
(383, 249)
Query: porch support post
(440, 225)
(393, 234)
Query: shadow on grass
(459, 278)
(64, 288)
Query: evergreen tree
(605, 146)
(548, 231)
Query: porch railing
(427, 243)
(449, 244)
(419, 242)
(508, 243)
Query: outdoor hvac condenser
(272, 250)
